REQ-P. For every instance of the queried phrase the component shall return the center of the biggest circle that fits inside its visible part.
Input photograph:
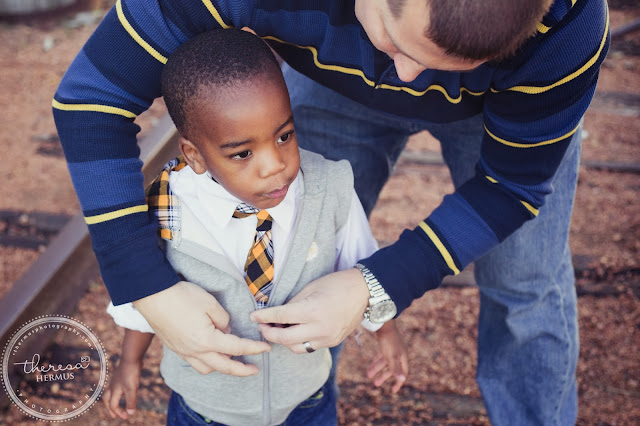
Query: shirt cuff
(128, 316)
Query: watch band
(375, 288)
(380, 308)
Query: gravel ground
(440, 328)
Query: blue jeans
(528, 336)
(317, 410)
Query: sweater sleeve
(114, 78)
(531, 113)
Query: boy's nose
(272, 163)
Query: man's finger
(217, 314)
(230, 344)
(291, 313)
(292, 337)
(198, 365)
(222, 364)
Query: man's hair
(480, 29)
(212, 60)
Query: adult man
(399, 67)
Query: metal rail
(57, 280)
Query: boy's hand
(125, 380)
(392, 359)
(191, 322)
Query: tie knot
(264, 218)
(264, 221)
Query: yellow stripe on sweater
(529, 207)
(127, 26)
(532, 145)
(359, 73)
(542, 28)
(92, 220)
(94, 108)
(534, 90)
(443, 250)
(216, 15)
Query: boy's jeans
(528, 335)
(317, 410)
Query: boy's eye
(241, 155)
(285, 137)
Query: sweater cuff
(408, 268)
(136, 270)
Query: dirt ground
(440, 328)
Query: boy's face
(403, 39)
(246, 141)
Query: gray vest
(285, 379)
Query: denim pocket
(313, 400)
(317, 410)
(181, 414)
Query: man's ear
(192, 155)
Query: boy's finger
(400, 379)
(130, 398)
(114, 403)
(105, 401)
(376, 366)
(381, 378)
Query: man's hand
(192, 323)
(323, 313)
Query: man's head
(225, 92)
(448, 35)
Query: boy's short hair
(480, 29)
(214, 59)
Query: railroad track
(60, 276)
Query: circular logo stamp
(62, 382)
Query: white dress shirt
(213, 207)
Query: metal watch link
(381, 308)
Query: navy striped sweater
(532, 105)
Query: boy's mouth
(278, 193)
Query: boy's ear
(192, 155)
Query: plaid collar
(162, 203)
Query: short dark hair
(214, 59)
(480, 29)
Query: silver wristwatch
(381, 308)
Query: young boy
(242, 186)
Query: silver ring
(308, 347)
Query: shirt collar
(220, 204)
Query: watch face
(382, 312)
